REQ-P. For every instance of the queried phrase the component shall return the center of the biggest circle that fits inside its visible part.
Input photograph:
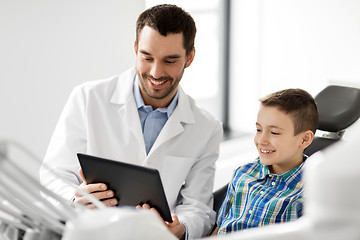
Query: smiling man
(144, 117)
(160, 64)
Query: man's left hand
(176, 227)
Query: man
(144, 117)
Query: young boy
(269, 190)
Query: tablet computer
(132, 184)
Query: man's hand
(215, 232)
(98, 190)
(176, 227)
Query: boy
(269, 190)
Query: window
(203, 80)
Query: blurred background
(245, 49)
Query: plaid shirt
(255, 197)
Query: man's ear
(135, 47)
(190, 58)
(307, 138)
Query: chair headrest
(338, 106)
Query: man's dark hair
(299, 104)
(168, 18)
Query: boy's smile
(263, 151)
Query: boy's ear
(308, 137)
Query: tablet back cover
(132, 184)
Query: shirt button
(250, 211)
(273, 183)
(262, 192)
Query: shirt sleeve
(69, 137)
(195, 206)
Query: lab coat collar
(123, 91)
(123, 95)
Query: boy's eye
(258, 130)
(275, 133)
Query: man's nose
(156, 70)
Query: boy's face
(275, 141)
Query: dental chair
(339, 108)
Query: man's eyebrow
(172, 56)
(144, 52)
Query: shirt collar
(291, 177)
(140, 101)
(264, 170)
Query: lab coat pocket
(173, 172)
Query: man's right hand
(98, 190)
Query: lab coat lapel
(174, 126)
(124, 97)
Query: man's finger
(146, 206)
(95, 187)
(110, 202)
(175, 220)
(90, 188)
(105, 197)
(82, 175)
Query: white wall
(203, 79)
(279, 44)
(48, 47)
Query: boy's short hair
(168, 18)
(299, 104)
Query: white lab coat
(101, 118)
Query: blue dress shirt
(152, 121)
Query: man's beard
(174, 82)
